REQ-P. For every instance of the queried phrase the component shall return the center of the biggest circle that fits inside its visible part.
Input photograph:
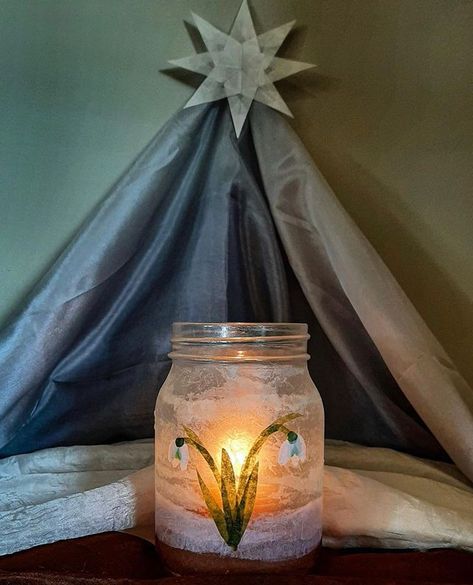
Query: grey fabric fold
(184, 235)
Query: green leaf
(228, 489)
(193, 439)
(249, 496)
(245, 508)
(214, 510)
(250, 460)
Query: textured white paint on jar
(227, 396)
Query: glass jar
(239, 451)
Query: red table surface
(117, 558)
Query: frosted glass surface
(228, 406)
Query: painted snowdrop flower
(178, 454)
(293, 450)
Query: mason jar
(239, 451)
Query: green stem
(193, 440)
(277, 425)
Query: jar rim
(237, 332)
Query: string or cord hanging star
(241, 66)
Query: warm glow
(238, 447)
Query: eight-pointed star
(241, 66)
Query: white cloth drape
(372, 497)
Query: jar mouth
(237, 332)
(239, 342)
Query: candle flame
(237, 448)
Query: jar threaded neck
(239, 342)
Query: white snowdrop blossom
(293, 450)
(178, 453)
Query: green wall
(388, 117)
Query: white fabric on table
(372, 497)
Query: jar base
(184, 562)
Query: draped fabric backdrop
(205, 227)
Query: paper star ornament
(241, 66)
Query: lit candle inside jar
(239, 452)
(237, 447)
